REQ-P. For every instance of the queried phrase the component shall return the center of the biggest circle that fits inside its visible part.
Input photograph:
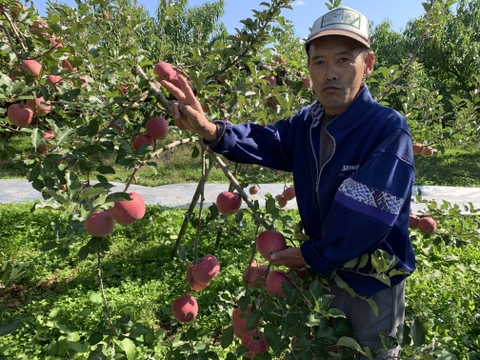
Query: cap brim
(341, 33)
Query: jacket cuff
(218, 133)
(313, 259)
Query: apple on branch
(204, 270)
(288, 194)
(100, 223)
(194, 284)
(185, 308)
(239, 320)
(253, 190)
(255, 274)
(157, 128)
(255, 342)
(31, 66)
(40, 106)
(126, 212)
(20, 114)
(274, 283)
(142, 139)
(426, 225)
(269, 242)
(228, 202)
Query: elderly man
(353, 172)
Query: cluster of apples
(155, 129)
(21, 114)
(199, 275)
(282, 199)
(102, 222)
(419, 148)
(425, 224)
(258, 275)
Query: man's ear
(369, 62)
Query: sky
(304, 12)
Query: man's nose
(330, 72)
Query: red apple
(100, 223)
(255, 274)
(229, 202)
(271, 79)
(274, 282)
(269, 242)
(105, 15)
(40, 106)
(428, 151)
(20, 114)
(306, 83)
(185, 308)
(123, 89)
(66, 64)
(195, 285)
(164, 71)
(143, 139)
(427, 225)
(157, 128)
(39, 27)
(49, 135)
(288, 194)
(55, 44)
(33, 67)
(417, 148)
(54, 79)
(253, 189)
(127, 212)
(83, 81)
(413, 221)
(206, 269)
(279, 60)
(239, 320)
(255, 342)
(281, 201)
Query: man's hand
(187, 111)
(291, 257)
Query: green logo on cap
(342, 17)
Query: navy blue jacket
(359, 201)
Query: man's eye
(344, 60)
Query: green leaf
(272, 335)
(103, 169)
(227, 337)
(350, 343)
(128, 346)
(10, 327)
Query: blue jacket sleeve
(366, 207)
(250, 143)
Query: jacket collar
(316, 109)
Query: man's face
(337, 66)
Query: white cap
(341, 21)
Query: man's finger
(178, 93)
(187, 90)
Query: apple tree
(82, 86)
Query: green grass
(453, 168)
(59, 297)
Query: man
(352, 164)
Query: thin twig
(102, 289)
